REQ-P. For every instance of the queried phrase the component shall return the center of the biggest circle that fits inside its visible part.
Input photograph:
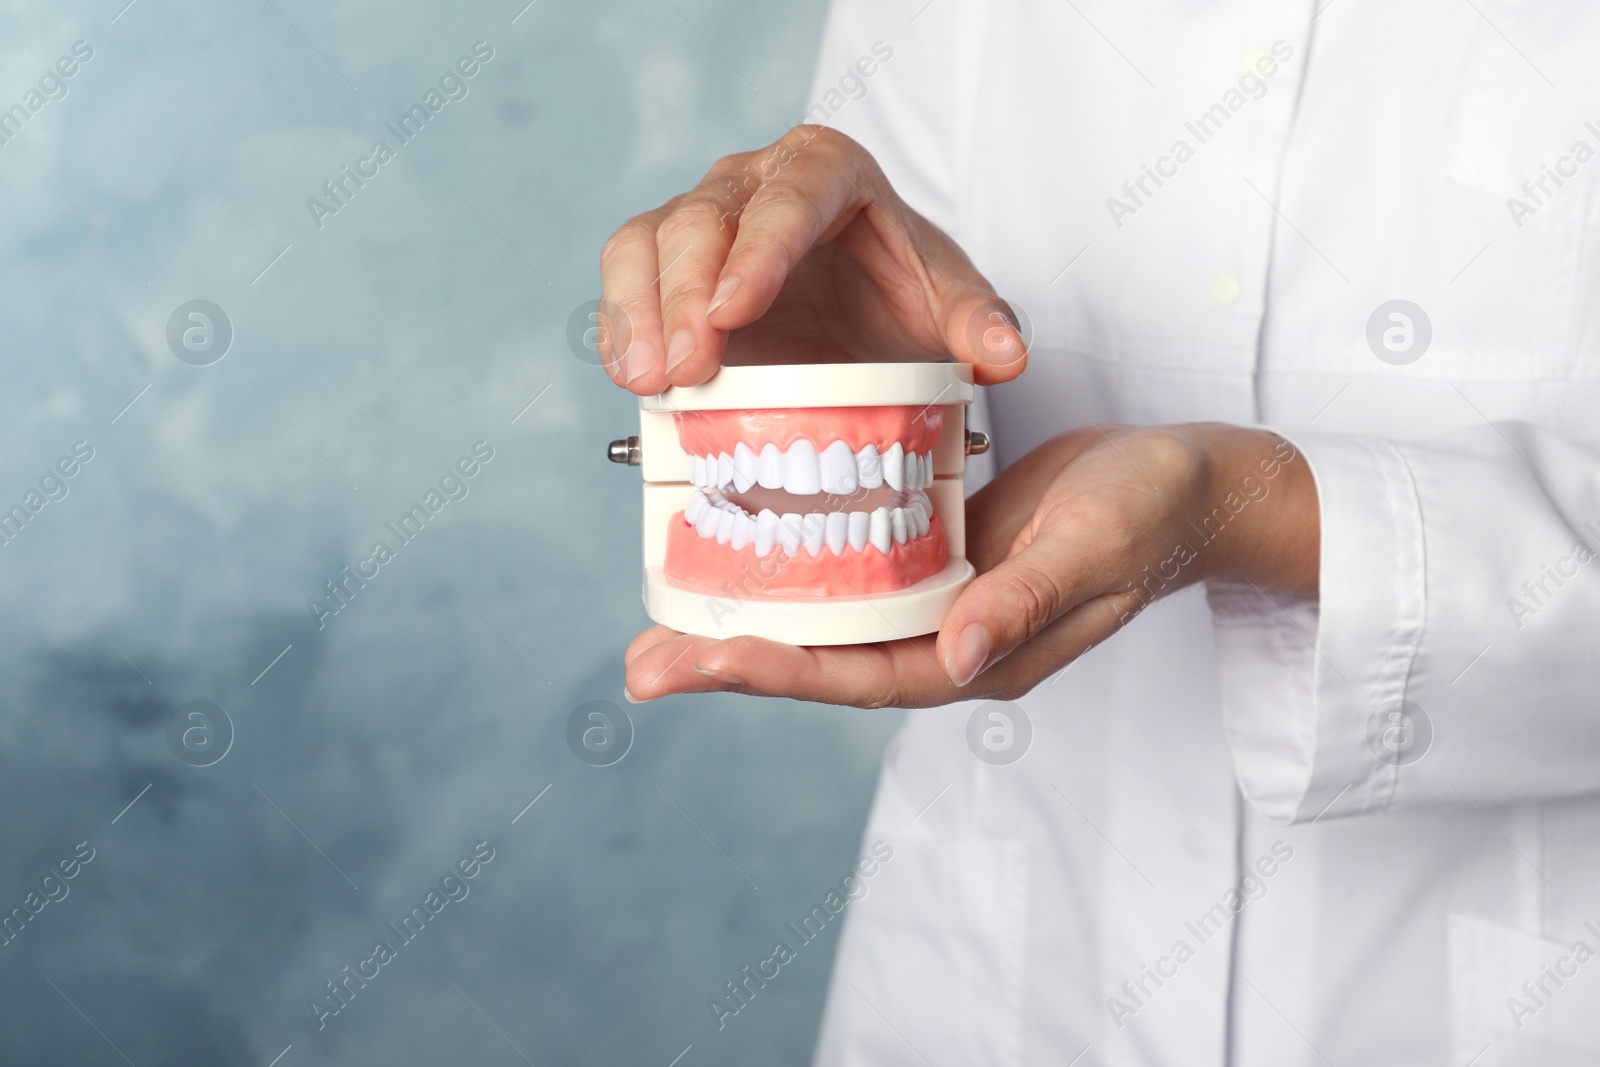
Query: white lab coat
(1227, 728)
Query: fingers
(898, 674)
(981, 329)
(901, 674)
(666, 665)
(1053, 648)
(959, 311)
(647, 640)
(692, 244)
(809, 183)
(1045, 578)
(632, 347)
(999, 512)
(716, 259)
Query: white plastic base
(849, 620)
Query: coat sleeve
(1453, 655)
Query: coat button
(1225, 289)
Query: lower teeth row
(714, 515)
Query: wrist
(1260, 520)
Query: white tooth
(697, 503)
(725, 525)
(744, 531)
(769, 470)
(894, 466)
(927, 468)
(790, 527)
(697, 470)
(915, 474)
(922, 521)
(924, 464)
(802, 474)
(838, 469)
(869, 468)
(838, 532)
(766, 531)
(857, 535)
(816, 525)
(744, 467)
(878, 532)
(724, 470)
(706, 524)
(897, 525)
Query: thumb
(1006, 606)
(981, 329)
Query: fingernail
(724, 291)
(968, 656)
(721, 676)
(635, 361)
(629, 697)
(679, 349)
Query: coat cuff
(1305, 683)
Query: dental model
(811, 504)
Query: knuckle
(1033, 595)
(785, 204)
(692, 215)
(811, 135)
(627, 238)
(682, 293)
(727, 165)
(1171, 452)
(880, 699)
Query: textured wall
(373, 346)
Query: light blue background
(373, 354)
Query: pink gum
(917, 429)
(702, 563)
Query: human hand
(1070, 542)
(799, 252)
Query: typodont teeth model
(814, 504)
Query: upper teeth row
(803, 471)
(714, 515)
